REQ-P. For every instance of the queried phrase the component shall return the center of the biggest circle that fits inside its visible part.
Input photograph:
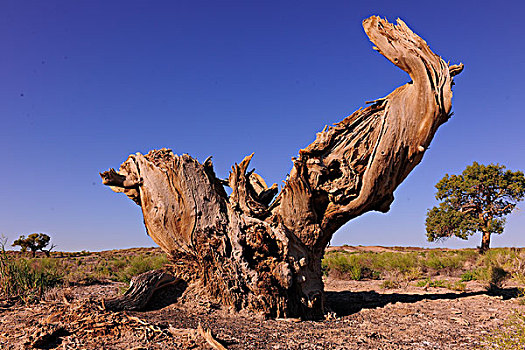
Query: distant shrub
(468, 276)
(390, 284)
(139, 264)
(344, 265)
(458, 286)
(427, 282)
(390, 261)
(423, 283)
(409, 265)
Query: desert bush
(457, 285)
(428, 282)
(498, 264)
(397, 279)
(519, 277)
(138, 264)
(510, 259)
(390, 261)
(390, 284)
(408, 266)
(451, 260)
(468, 276)
(26, 279)
(113, 268)
(354, 266)
(343, 265)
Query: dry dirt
(362, 316)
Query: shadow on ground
(346, 303)
(166, 296)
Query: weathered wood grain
(251, 251)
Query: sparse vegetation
(427, 282)
(400, 267)
(443, 283)
(396, 269)
(390, 284)
(468, 276)
(88, 269)
(419, 273)
(27, 279)
(125, 268)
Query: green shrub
(389, 261)
(27, 279)
(493, 275)
(427, 282)
(138, 264)
(390, 284)
(408, 266)
(458, 285)
(343, 265)
(452, 260)
(423, 283)
(469, 276)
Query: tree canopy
(475, 201)
(34, 242)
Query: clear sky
(86, 83)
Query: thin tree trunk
(485, 242)
(249, 251)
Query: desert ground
(361, 314)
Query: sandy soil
(362, 316)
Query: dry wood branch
(141, 289)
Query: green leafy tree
(34, 242)
(475, 201)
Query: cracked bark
(248, 251)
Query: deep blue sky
(85, 83)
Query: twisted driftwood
(249, 250)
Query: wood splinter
(206, 334)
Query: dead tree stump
(249, 250)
